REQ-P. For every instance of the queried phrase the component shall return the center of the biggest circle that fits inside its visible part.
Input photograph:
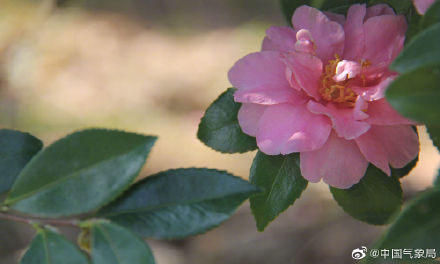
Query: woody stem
(32, 220)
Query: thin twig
(44, 221)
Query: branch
(44, 221)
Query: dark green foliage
(418, 226)
(179, 203)
(80, 172)
(113, 244)
(375, 199)
(49, 247)
(416, 94)
(280, 178)
(16, 149)
(219, 128)
(421, 51)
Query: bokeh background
(153, 66)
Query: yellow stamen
(333, 91)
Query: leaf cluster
(87, 180)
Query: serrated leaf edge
(262, 228)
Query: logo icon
(359, 253)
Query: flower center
(335, 80)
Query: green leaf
(401, 7)
(50, 248)
(288, 7)
(332, 5)
(432, 16)
(421, 51)
(113, 244)
(219, 128)
(413, 20)
(80, 172)
(280, 177)
(179, 203)
(416, 94)
(402, 172)
(437, 180)
(418, 226)
(375, 199)
(434, 134)
(16, 149)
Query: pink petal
(248, 117)
(304, 42)
(343, 120)
(354, 32)
(384, 37)
(304, 72)
(269, 96)
(259, 69)
(346, 70)
(287, 128)
(422, 5)
(360, 109)
(378, 71)
(396, 145)
(375, 92)
(280, 39)
(335, 17)
(380, 112)
(379, 10)
(339, 162)
(328, 35)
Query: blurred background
(153, 66)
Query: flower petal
(335, 17)
(379, 10)
(394, 145)
(360, 107)
(287, 128)
(328, 35)
(375, 92)
(259, 69)
(280, 39)
(384, 37)
(354, 32)
(380, 112)
(248, 117)
(422, 5)
(268, 96)
(304, 72)
(346, 70)
(304, 42)
(343, 119)
(339, 162)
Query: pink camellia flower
(422, 5)
(318, 89)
